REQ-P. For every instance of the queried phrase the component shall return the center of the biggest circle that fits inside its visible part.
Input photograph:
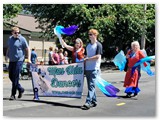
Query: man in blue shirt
(33, 56)
(17, 47)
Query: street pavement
(142, 106)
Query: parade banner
(58, 80)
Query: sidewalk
(5, 77)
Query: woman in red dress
(77, 50)
(132, 77)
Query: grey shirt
(92, 50)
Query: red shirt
(79, 54)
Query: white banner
(59, 80)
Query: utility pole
(43, 49)
(143, 40)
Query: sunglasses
(90, 34)
(16, 32)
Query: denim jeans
(91, 76)
(14, 71)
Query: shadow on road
(52, 103)
(127, 98)
(5, 98)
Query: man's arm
(95, 57)
(28, 54)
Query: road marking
(120, 104)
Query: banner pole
(36, 97)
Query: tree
(10, 11)
(118, 24)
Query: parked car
(5, 67)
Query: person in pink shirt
(55, 57)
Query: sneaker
(12, 97)
(128, 96)
(85, 107)
(135, 95)
(20, 93)
(93, 104)
(36, 98)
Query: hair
(56, 49)
(79, 41)
(50, 48)
(61, 50)
(65, 52)
(15, 29)
(94, 31)
(135, 43)
(42, 62)
(33, 48)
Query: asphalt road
(142, 106)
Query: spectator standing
(50, 54)
(116, 50)
(55, 57)
(34, 56)
(61, 56)
(65, 57)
